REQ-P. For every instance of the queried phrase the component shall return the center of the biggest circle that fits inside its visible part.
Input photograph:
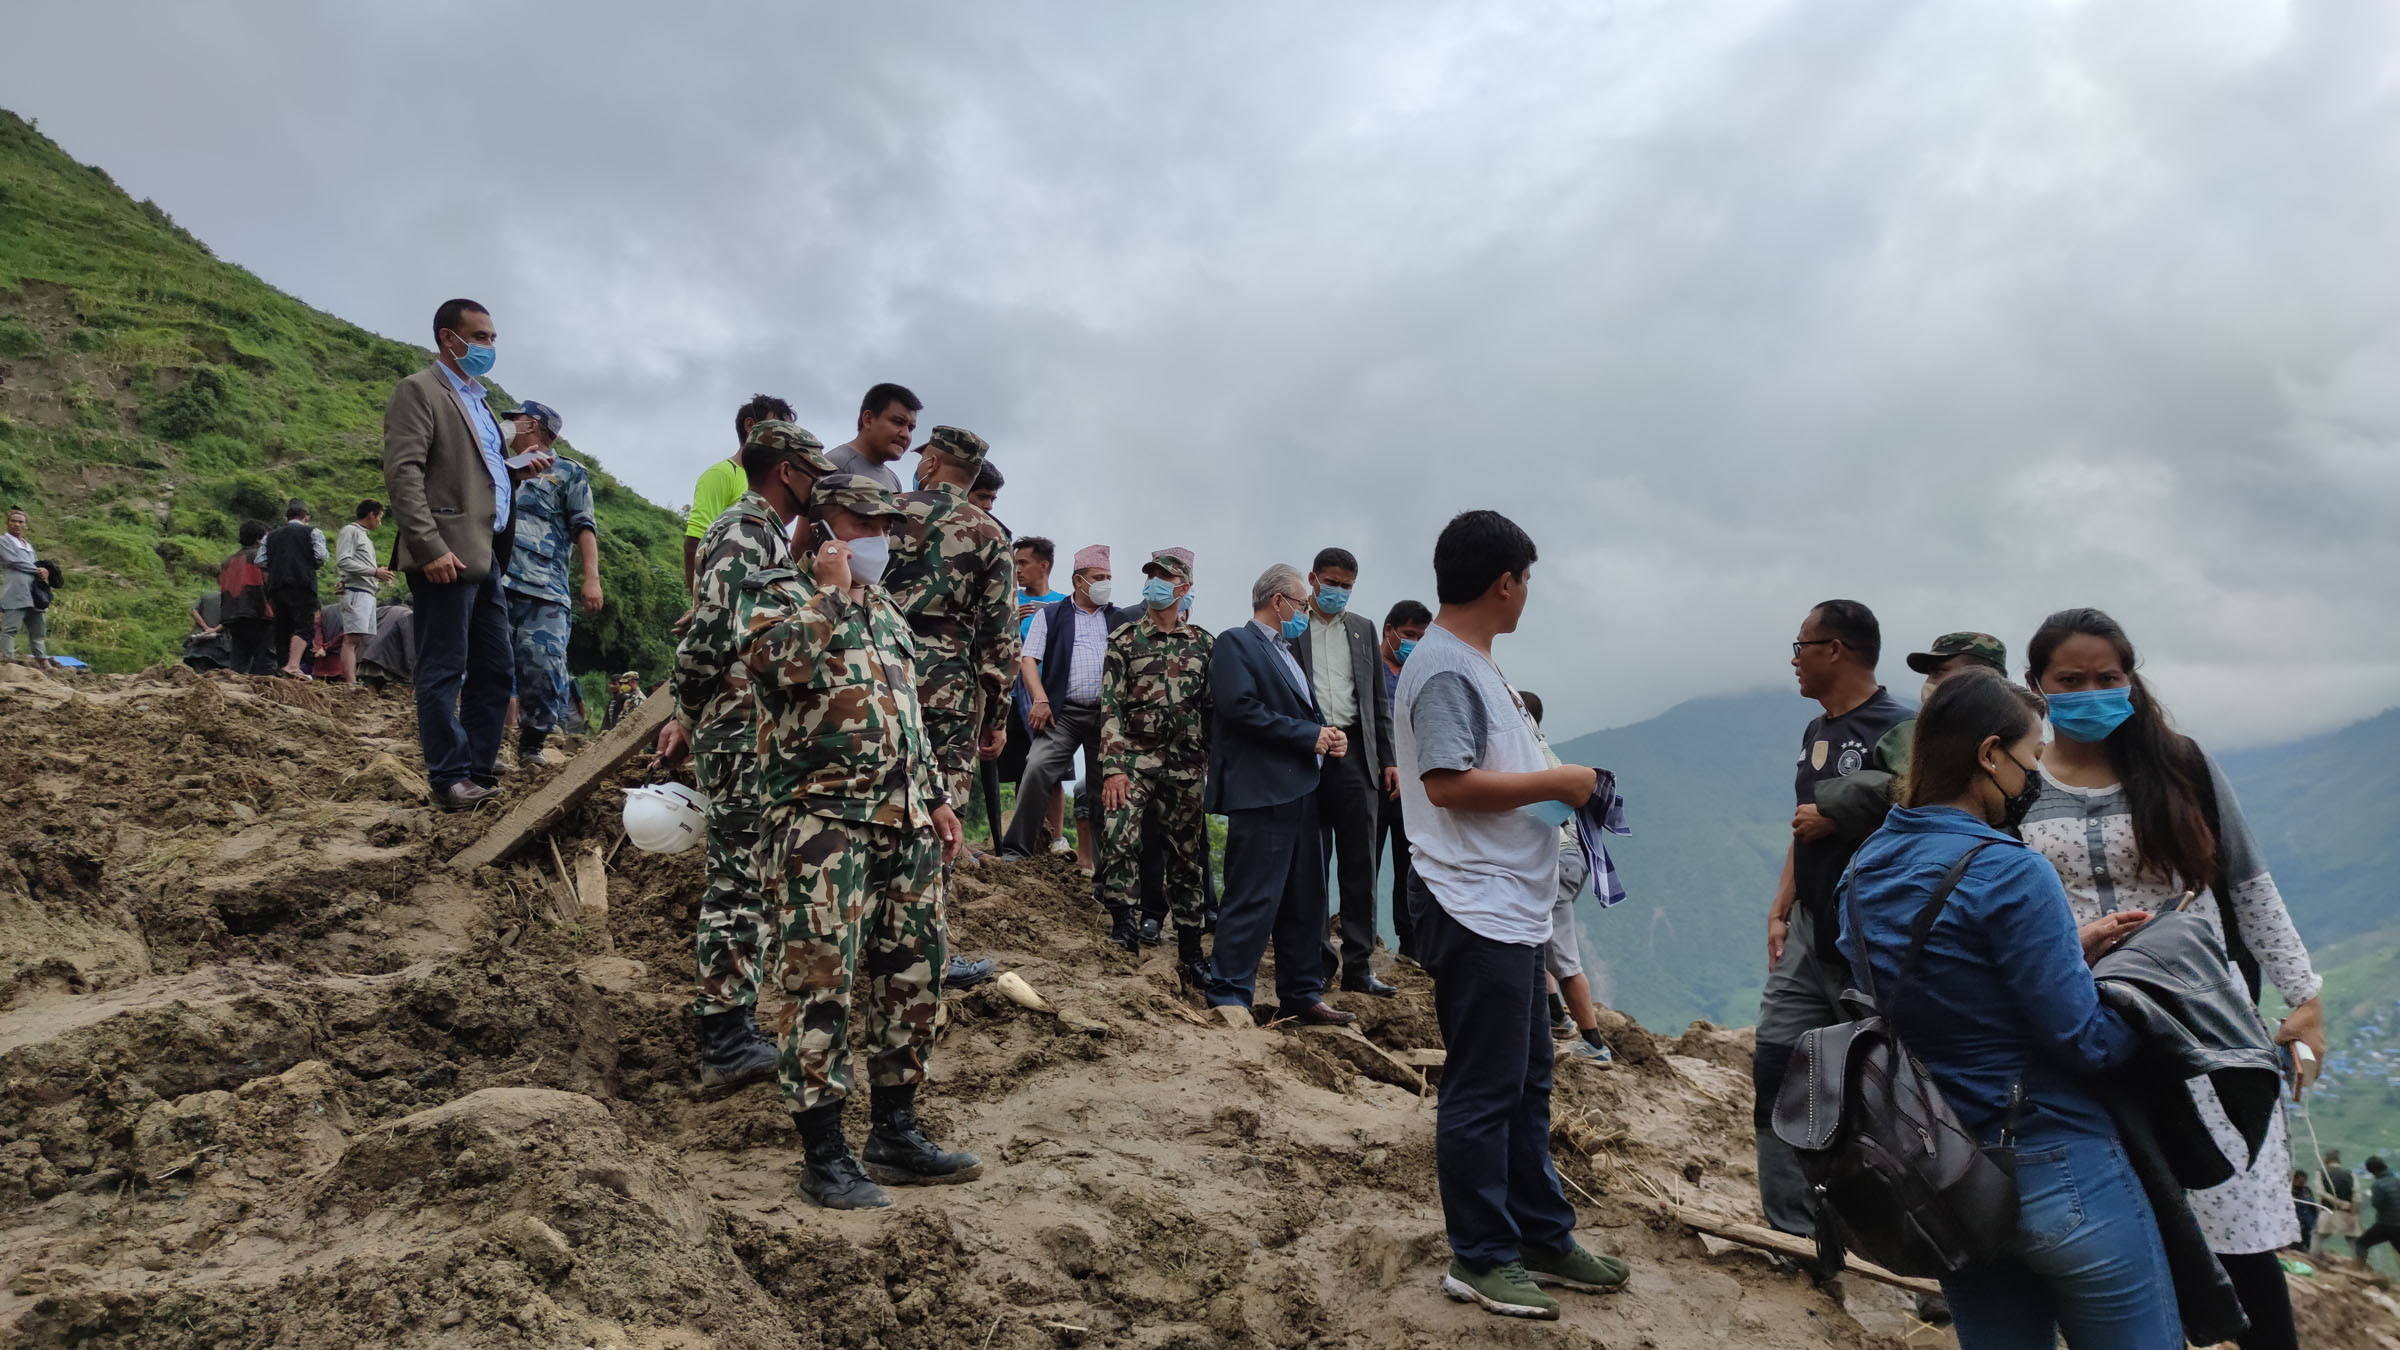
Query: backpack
(1897, 1178)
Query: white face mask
(1100, 591)
(868, 557)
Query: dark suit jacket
(1264, 749)
(434, 473)
(1366, 671)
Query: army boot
(1124, 930)
(832, 1177)
(1191, 963)
(899, 1154)
(732, 1052)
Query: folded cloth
(1598, 818)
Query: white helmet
(665, 818)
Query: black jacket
(1264, 750)
(2171, 982)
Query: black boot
(899, 1154)
(832, 1177)
(1191, 963)
(732, 1052)
(1152, 930)
(529, 748)
(1124, 932)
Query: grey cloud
(1971, 311)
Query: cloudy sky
(1970, 310)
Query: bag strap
(2236, 950)
(1918, 931)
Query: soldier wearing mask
(1155, 708)
(715, 722)
(858, 827)
(554, 518)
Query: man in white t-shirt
(1473, 782)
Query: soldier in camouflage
(715, 722)
(1154, 710)
(553, 514)
(953, 578)
(858, 826)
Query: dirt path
(273, 1079)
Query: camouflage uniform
(850, 786)
(952, 576)
(712, 700)
(1155, 708)
(551, 509)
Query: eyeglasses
(1812, 642)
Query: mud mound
(274, 1076)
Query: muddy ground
(276, 1076)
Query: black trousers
(1392, 830)
(1347, 809)
(1274, 891)
(295, 616)
(1491, 1138)
(250, 637)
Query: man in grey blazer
(447, 470)
(1341, 654)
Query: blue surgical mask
(1406, 646)
(1158, 593)
(1333, 599)
(1296, 627)
(2089, 715)
(1185, 604)
(478, 359)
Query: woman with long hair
(2135, 817)
(2001, 1009)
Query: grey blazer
(1366, 671)
(433, 471)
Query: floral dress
(2087, 833)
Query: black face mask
(2013, 807)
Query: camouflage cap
(1983, 647)
(777, 434)
(1174, 564)
(853, 492)
(962, 446)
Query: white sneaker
(1060, 845)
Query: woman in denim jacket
(2003, 998)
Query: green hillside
(154, 397)
(1708, 790)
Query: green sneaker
(1575, 1268)
(1505, 1289)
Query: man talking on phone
(447, 471)
(858, 828)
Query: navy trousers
(466, 672)
(1491, 1141)
(1274, 890)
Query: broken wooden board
(1369, 1058)
(583, 776)
(1799, 1249)
(591, 888)
(1422, 1059)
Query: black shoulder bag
(1910, 1188)
(2205, 783)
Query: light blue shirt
(487, 437)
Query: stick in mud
(584, 775)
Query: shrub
(18, 338)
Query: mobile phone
(523, 461)
(819, 535)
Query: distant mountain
(1708, 791)
(152, 397)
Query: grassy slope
(155, 397)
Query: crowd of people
(864, 657)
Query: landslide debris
(275, 1076)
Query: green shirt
(720, 486)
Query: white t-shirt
(1494, 872)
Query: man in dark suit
(1264, 765)
(446, 468)
(1338, 653)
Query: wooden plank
(583, 776)
(1798, 1248)
(1369, 1058)
(591, 888)
(1422, 1059)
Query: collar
(1944, 820)
(465, 384)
